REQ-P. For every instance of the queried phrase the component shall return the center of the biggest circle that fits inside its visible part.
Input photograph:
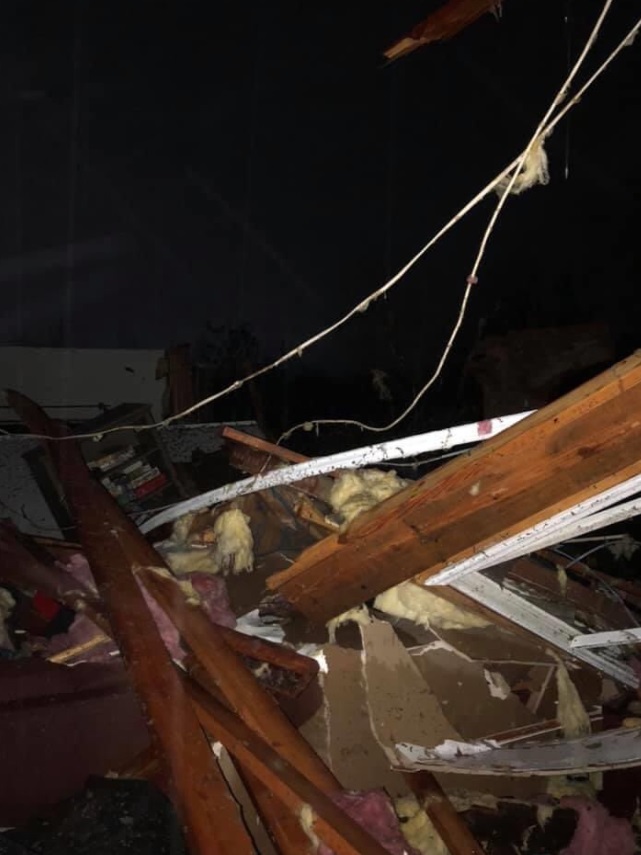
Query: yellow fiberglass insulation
(234, 544)
(356, 492)
(575, 722)
(232, 549)
(359, 615)
(417, 604)
(534, 171)
(418, 828)
(571, 713)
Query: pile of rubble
(323, 656)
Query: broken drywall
(402, 707)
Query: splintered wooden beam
(330, 824)
(257, 709)
(113, 546)
(446, 22)
(283, 825)
(583, 444)
(235, 681)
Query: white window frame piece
(546, 626)
(593, 513)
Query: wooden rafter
(577, 447)
(113, 546)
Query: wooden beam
(254, 455)
(243, 693)
(332, 825)
(113, 546)
(235, 681)
(447, 21)
(259, 444)
(581, 445)
(284, 826)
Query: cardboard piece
(388, 694)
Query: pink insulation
(78, 567)
(214, 598)
(167, 630)
(211, 590)
(374, 812)
(598, 833)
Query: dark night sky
(165, 164)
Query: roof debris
(497, 683)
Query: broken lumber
(577, 447)
(585, 755)
(332, 825)
(113, 545)
(284, 827)
(236, 683)
(246, 697)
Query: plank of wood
(113, 546)
(582, 444)
(235, 681)
(256, 461)
(334, 827)
(269, 449)
(309, 512)
(285, 658)
(244, 694)
(450, 826)
(284, 826)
